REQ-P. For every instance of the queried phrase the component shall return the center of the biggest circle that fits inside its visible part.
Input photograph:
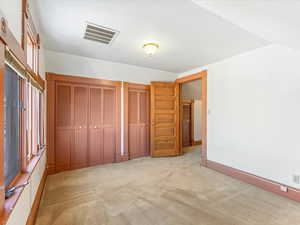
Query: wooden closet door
(144, 123)
(79, 153)
(109, 141)
(64, 126)
(95, 126)
(133, 127)
(138, 122)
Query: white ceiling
(277, 21)
(189, 35)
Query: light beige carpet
(160, 191)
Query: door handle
(153, 124)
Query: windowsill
(11, 202)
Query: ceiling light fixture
(151, 48)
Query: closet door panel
(64, 144)
(109, 148)
(63, 105)
(138, 122)
(133, 141)
(95, 129)
(144, 123)
(144, 141)
(64, 134)
(108, 145)
(81, 103)
(95, 147)
(79, 150)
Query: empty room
(136, 112)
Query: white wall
(63, 63)
(253, 112)
(197, 119)
(12, 10)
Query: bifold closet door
(79, 153)
(108, 125)
(102, 125)
(138, 122)
(64, 127)
(95, 127)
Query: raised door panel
(64, 114)
(95, 126)
(133, 141)
(144, 141)
(79, 152)
(64, 143)
(109, 145)
(80, 149)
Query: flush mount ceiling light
(151, 48)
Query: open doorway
(193, 115)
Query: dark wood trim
(37, 200)
(203, 76)
(261, 182)
(81, 80)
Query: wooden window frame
(9, 43)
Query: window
(12, 159)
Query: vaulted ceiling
(190, 34)
(276, 21)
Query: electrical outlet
(296, 179)
(283, 188)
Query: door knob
(80, 127)
(95, 127)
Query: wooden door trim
(203, 76)
(81, 80)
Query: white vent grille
(100, 34)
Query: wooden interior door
(79, 153)
(64, 126)
(138, 122)
(165, 119)
(187, 123)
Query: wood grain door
(95, 126)
(64, 126)
(187, 123)
(164, 119)
(108, 125)
(79, 153)
(138, 123)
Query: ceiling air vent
(99, 33)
